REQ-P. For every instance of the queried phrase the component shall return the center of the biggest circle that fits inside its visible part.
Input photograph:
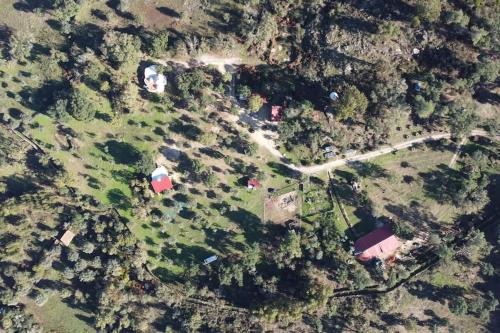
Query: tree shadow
(118, 199)
(415, 216)
(168, 11)
(369, 169)
(249, 222)
(442, 183)
(354, 24)
(31, 5)
(425, 290)
(121, 152)
(189, 131)
(113, 4)
(19, 185)
(88, 35)
(283, 170)
(5, 35)
(386, 9)
(40, 98)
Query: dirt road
(267, 139)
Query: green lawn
(57, 316)
(399, 186)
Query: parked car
(329, 155)
(328, 149)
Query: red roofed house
(161, 184)
(276, 113)
(380, 243)
(253, 184)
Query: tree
(252, 256)
(121, 48)
(87, 275)
(255, 103)
(350, 103)
(159, 44)
(192, 82)
(20, 46)
(244, 92)
(88, 247)
(145, 164)
(423, 108)
(82, 105)
(66, 10)
(429, 10)
(462, 118)
(210, 179)
(59, 109)
(457, 18)
(403, 231)
(289, 249)
(458, 305)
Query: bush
(145, 164)
(429, 10)
(255, 103)
(41, 298)
(389, 30)
(351, 102)
(81, 104)
(120, 47)
(59, 110)
(457, 18)
(458, 306)
(159, 44)
(478, 36)
(424, 109)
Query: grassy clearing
(399, 186)
(57, 316)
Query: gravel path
(267, 139)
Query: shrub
(145, 164)
(120, 47)
(351, 102)
(159, 44)
(255, 103)
(458, 306)
(81, 104)
(429, 10)
(457, 18)
(424, 109)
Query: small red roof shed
(162, 184)
(276, 112)
(380, 243)
(253, 183)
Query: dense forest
(270, 112)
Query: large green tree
(120, 47)
(82, 103)
(351, 102)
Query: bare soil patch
(282, 208)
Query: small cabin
(67, 237)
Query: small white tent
(334, 96)
(154, 82)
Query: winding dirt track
(267, 139)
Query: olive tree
(121, 48)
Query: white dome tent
(154, 81)
(334, 96)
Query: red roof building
(253, 183)
(380, 243)
(276, 113)
(161, 184)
